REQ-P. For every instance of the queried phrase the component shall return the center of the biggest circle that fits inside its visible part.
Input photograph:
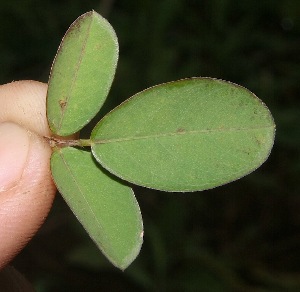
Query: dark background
(244, 236)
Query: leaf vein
(79, 189)
(193, 132)
(75, 74)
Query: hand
(26, 187)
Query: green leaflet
(188, 135)
(81, 74)
(105, 207)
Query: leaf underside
(106, 208)
(188, 135)
(81, 74)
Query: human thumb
(14, 146)
(26, 187)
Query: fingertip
(24, 207)
(24, 102)
(14, 146)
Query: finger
(26, 187)
(24, 103)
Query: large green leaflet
(188, 135)
(82, 73)
(106, 208)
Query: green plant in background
(188, 135)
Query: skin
(26, 187)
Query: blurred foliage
(244, 236)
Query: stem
(85, 142)
(56, 142)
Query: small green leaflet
(106, 208)
(187, 135)
(81, 74)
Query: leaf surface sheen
(106, 208)
(188, 135)
(81, 74)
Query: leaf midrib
(87, 203)
(170, 134)
(78, 187)
(75, 74)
